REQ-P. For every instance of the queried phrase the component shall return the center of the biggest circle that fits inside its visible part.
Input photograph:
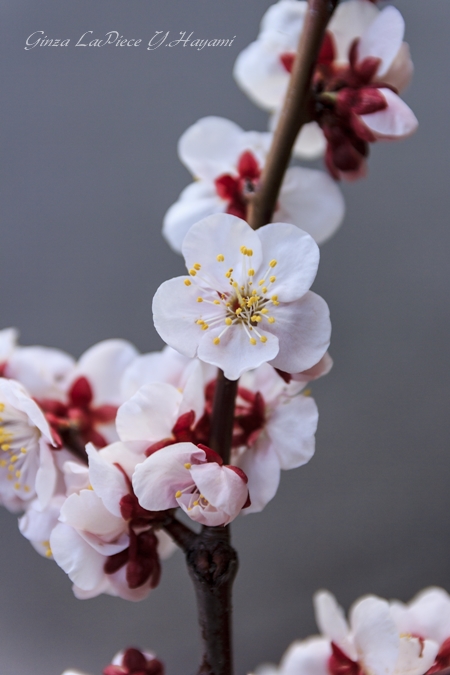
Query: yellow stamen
(217, 302)
(264, 310)
(178, 494)
(228, 321)
(187, 282)
(187, 465)
(272, 279)
(198, 299)
(263, 338)
(197, 266)
(192, 272)
(271, 319)
(238, 311)
(264, 289)
(5, 447)
(243, 250)
(272, 263)
(205, 326)
(252, 341)
(251, 272)
(216, 341)
(220, 258)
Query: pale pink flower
(194, 479)
(427, 617)
(274, 429)
(227, 163)
(246, 299)
(105, 542)
(370, 641)
(363, 64)
(27, 468)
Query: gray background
(89, 166)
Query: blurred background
(88, 169)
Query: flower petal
(303, 328)
(161, 475)
(195, 203)
(312, 201)
(210, 146)
(236, 354)
(261, 465)
(416, 655)
(150, 414)
(309, 657)
(331, 621)
(383, 39)
(375, 635)
(175, 313)
(291, 428)
(349, 22)
(76, 557)
(395, 121)
(220, 235)
(221, 486)
(297, 259)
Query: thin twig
(294, 114)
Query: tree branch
(294, 114)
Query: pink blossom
(193, 478)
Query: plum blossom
(130, 661)
(193, 478)
(274, 429)
(44, 371)
(427, 617)
(306, 657)
(27, 468)
(370, 642)
(227, 163)
(362, 66)
(246, 299)
(89, 391)
(105, 541)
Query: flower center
(247, 305)
(17, 439)
(235, 190)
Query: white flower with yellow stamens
(26, 463)
(246, 299)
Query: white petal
(8, 341)
(375, 635)
(416, 656)
(221, 486)
(166, 545)
(165, 366)
(194, 391)
(303, 329)
(261, 75)
(210, 146)
(312, 201)
(311, 142)
(383, 39)
(261, 465)
(395, 121)
(349, 21)
(46, 475)
(42, 370)
(221, 234)
(235, 354)
(297, 259)
(161, 475)
(401, 71)
(175, 312)
(107, 480)
(150, 414)
(309, 657)
(103, 365)
(79, 560)
(331, 621)
(203, 201)
(87, 512)
(14, 393)
(291, 428)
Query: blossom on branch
(193, 478)
(130, 661)
(26, 464)
(246, 299)
(105, 542)
(227, 163)
(362, 66)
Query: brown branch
(294, 114)
(222, 418)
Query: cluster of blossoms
(362, 67)
(96, 452)
(379, 638)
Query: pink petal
(394, 122)
(331, 621)
(383, 39)
(375, 635)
